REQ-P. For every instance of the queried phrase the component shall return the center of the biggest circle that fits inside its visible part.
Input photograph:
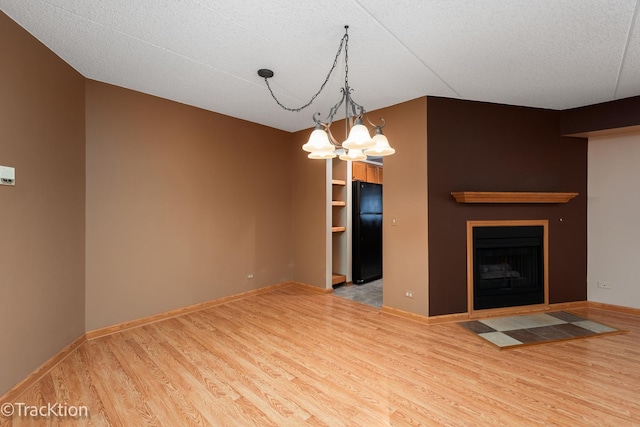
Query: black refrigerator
(367, 232)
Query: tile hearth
(535, 328)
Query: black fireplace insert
(508, 266)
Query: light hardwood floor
(293, 357)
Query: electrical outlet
(604, 285)
(249, 276)
(7, 175)
(408, 294)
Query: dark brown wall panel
(616, 114)
(475, 146)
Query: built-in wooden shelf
(338, 182)
(338, 203)
(338, 278)
(511, 197)
(338, 229)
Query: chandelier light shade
(359, 143)
(322, 155)
(318, 141)
(381, 148)
(359, 137)
(354, 154)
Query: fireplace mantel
(511, 197)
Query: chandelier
(359, 143)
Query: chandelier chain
(345, 42)
(346, 60)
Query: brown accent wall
(621, 113)
(42, 227)
(182, 204)
(475, 146)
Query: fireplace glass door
(508, 266)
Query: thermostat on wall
(7, 175)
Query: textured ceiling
(554, 54)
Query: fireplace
(506, 264)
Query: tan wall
(308, 210)
(182, 204)
(42, 227)
(405, 255)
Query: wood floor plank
(295, 357)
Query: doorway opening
(363, 237)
